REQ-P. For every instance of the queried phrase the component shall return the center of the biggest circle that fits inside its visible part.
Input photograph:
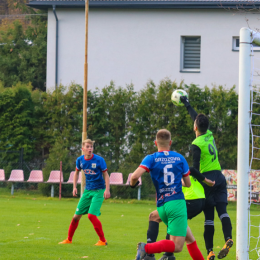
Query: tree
(58, 153)
(48, 125)
(23, 54)
(17, 119)
(109, 114)
(59, 115)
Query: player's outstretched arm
(107, 190)
(190, 109)
(135, 176)
(75, 179)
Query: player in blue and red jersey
(97, 188)
(167, 170)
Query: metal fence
(17, 162)
(120, 191)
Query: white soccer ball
(176, 94)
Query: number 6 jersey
(166, 169)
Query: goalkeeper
(205, 159)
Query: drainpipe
(56, 43)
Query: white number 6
(168, 173)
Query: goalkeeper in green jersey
(205, 159)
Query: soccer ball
(176, 94)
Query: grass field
(31, 227)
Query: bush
(122, 122)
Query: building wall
(134, 46)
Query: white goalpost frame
(243, 144)
(247, 36)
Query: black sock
(208, 235)
(226, 226)
(209, 250)
(152, 233)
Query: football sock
(73, 226)
(225, 220)
(160, 246)
(208, 234)
(152, 233)
(97, 226)
(209, 250)
(226, 226)
(194, 251)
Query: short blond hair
(163, 137)
(88, 141)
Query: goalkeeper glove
(185, 101)
(135, 185)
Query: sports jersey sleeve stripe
(186, 174)
(144, 167)
(104, 170)
(77, 169)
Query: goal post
(243, 144)
(247, 37)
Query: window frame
(236, 48)
(182, 69)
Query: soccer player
(205, 159)
(195, 202)
(167, 169)
(97, 188)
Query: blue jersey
(166, 169)
(93, 169)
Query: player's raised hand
(209, 182)
(75, 192)
(185, 100)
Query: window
(190, 53)
(235, 44)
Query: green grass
(32, 225)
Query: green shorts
(174, 214)
(90, 202)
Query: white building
(132, 41)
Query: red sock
(73, 226)
(194, 251)
(97, 226)
(160, 246)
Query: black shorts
(217, 193)
(194, 207)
